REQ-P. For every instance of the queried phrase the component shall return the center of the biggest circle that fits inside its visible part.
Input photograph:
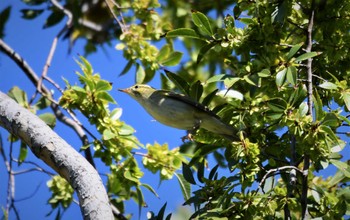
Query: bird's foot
(189, 137)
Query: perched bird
(179, 111)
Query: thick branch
(60, 156)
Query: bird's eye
(136, 87)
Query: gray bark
(59, 155)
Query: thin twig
(268, 173)
(304, 211)
(111, 4)
(54, 42)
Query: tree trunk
(59, 155)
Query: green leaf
(116, 113)
(318, 106)
(19, 96)
(140, 200)
(292, 75)
(337, 178)
(78, 89)
(277, 105)
(127, 67)
(342, 167)
(187, 173)
(200, 171)
(103, 85)
(216, 78)
(202, 22)
(126, 130)
(173, 59)
(230, 81)
(280, 13)
(184, 32)
(196, 91)
(53, 19)
(105, 96)
(294, 50)
(184, 186)
(307, 56)
(178, 81)
(329, 133)
(346, 98)
(4, 15)
(280, 77)
(303, 109)
(129, 176)
(140, 74)
(42, 103)
(206, 101)
(22, 153)
(204, 49)
(34, 2)
(49, 119)
(213, 172)
(202, 152)
(163, 53)
(328, 85)
(31, 13)
(251, 80)
(264, 73)
(331, 120)
(161, 212)
(150, 189)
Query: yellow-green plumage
(179, 111)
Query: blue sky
(33, 43)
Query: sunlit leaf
(140, 74)
(49, 119)
(202, 22)
(292, 75)
(294, 50)
(342, 167)
(184, 186)
(163, 53)
(264, 73)
(280, 77)
(173, 59)
(328, 85)
(184, 32)
(307, 56)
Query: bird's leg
(192, 131)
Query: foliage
(62, 192)
(284, 67)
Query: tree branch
(305, 213)
(60, 156)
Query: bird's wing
(189, 101)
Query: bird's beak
(123, 90)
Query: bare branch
(271, 171)
(304, 211)
(111, 4)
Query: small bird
(179, 111)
